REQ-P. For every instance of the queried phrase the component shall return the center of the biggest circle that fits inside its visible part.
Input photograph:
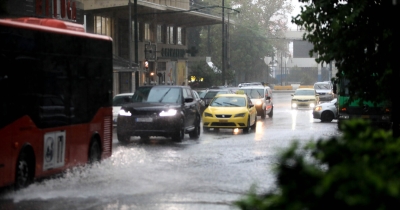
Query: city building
(160, 53)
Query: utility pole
(136, 42)
(281, 69)
(130, 44)
(223, 42)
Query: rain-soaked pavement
(208, 173)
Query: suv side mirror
(188, 100)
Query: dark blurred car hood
(150, 106)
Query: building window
(102, 25)
(133, 30)
(179, 35)
(159, 34)
(170, 35)
(147, 32)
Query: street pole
(281, 69)
(223, 42)
(130, 45)
(136, 43)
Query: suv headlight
(170, 112)
(124, 113)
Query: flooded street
(208, 173)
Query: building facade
(157, 53)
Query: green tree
(360, 37)
(356, 171)
(252, 36)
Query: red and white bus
(56, 98)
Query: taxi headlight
(312, 105)
(240, 115)
(170, 112)
(206, 114)
(124, 113)
(294, 105)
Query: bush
(357, 170)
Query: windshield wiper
(164, 95)
(232, 104)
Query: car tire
(94, 152)
(327, 116)
(24, 170)
(246, 130)
(123, 139)
(196, 132)
(179, 133)
(263, 114)
(271, 113)
(253, 127)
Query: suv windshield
(254, 93)
(322, 86)
(211, 94)
(305, 92)
(157, 94)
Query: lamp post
(281, 69)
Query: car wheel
(271, 113)
(253, 127)
(123, 139)
(94, 152)
(263, 114)
(246, 130)
(327, 116)
(24, 171)
(178, 135)
(196, 132)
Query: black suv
(166, 110)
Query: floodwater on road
(208, 173)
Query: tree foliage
(251, 36)
(361, 39)
(356, 171)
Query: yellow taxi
(230, 111)
(304, 98)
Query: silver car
(326, 112)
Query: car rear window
(121, 100)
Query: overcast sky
(295, 12)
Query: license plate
(144, 119)
(364, 116)
(223, 120)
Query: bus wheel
(94, 152)
(24, 171)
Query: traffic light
(146, 65)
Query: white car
(118, 101)
(326, 112)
